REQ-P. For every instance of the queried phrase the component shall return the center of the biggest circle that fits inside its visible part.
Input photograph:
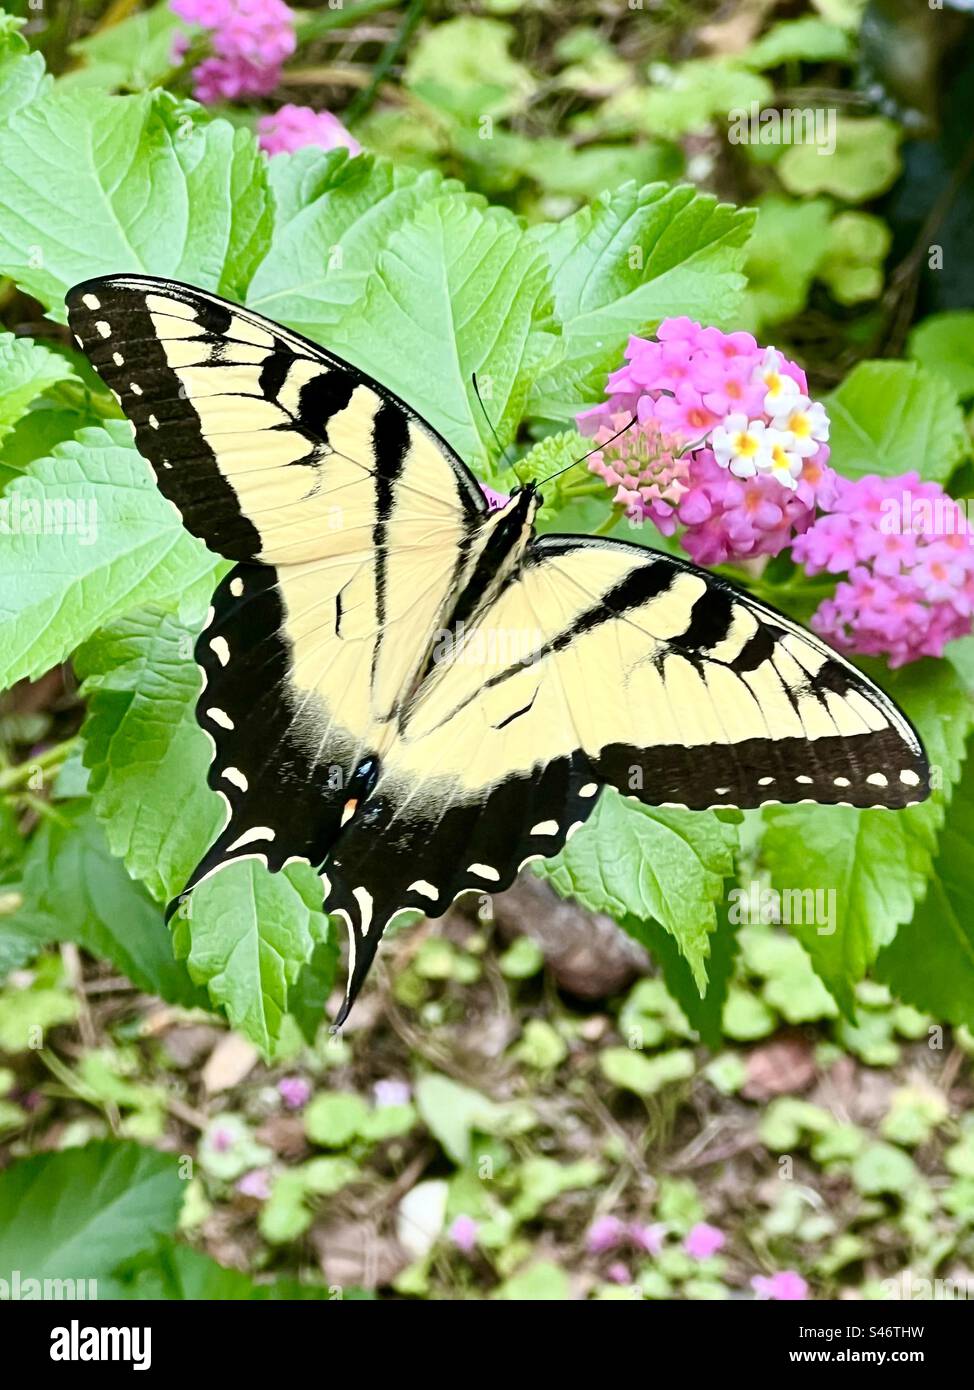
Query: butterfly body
(417, 694)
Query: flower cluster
(907, 551)
(251, 40)
(725, 441)
(291, 126)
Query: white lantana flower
(783, 390)
(786, 462)
(741, 445)
(807, 421)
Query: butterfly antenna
(490, 424)
(628, 425)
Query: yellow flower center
(745, 444)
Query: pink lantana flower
(291, 127)
(787, 1286)
(713, 411)
(251, 40)
(907, 553)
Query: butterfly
(416, 693)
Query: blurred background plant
(531, 1101)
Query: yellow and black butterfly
(418, 694)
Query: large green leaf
(458, 291)
(624, 263)
(333, 215)
(27, 369)
(77, 1214)
(22, 75)
(75, 891)
(177, 1272)
(704, 1011)
(635, 861)
(92, 537)
(930, 962)
(247, 934)
(97, 184)
(147, 754)
(895, 417)
(944, 344)
(875, 862)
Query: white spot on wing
(102, 327)
(220, 649)
(878, 779)
(91, 301)
(545, 827)
(589, 789)
(234, 775)
(236, 587)
(365, 902)
(135, 388)
(484, 871)
(220, 717)
(118, 359)
(259, 832)
(426, 888)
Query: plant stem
(12, 778)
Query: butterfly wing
(350, 517)
(607, 663)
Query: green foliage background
(457, 253)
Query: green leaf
(246, 934)
(78, 1213)
(452, 1113)
(699, 92)
(703, 1012)
(133, 54)
(805, 40)
(26, 371)
(463, 66)
(458, 290)
(333, 216)
(92, 537)
(864, 163)
(876, 863)
(97, 184)
(178, 1273)
(147, 754)
(930, 962)
(22, 75)
(309, 997)
(782, 257)
(624, 263)
(894, 417)
(631, 860)
(882, 1168)
(944, 345)
(544, 1282)
(855, 248)
(334, 1120)
(646, 1075)
(75, 891)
